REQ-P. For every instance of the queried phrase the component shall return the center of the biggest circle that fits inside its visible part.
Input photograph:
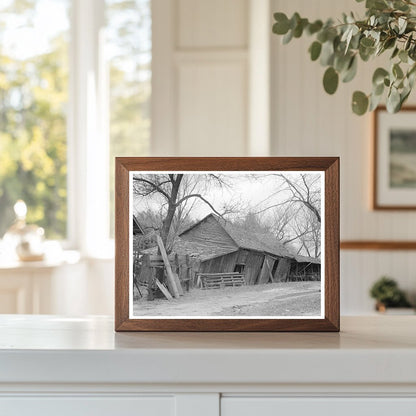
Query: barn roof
(305, 259)
(248, 240)
(195, 249)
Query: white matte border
(132, 316)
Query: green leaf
(288, 37)
(397, 71)
(314, 27)
(376, 4)
(378, 90)
(315, 50)
(403, 56)
(393, 101)
(367, 42)
(322, 36)
(400, 5)
(395, 52)
(389, 43)
(374, 101)
(294, 20)
(330, 80)
(404, 95)
(327, 53)
(359, 103)
(379, 75)
(342, 62)
(298, 30)
(351, 71)
(281, 27)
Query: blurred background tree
(33, 99)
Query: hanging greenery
(389, 27)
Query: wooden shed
(305, 268)
(224, 247)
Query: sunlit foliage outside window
(33, 103)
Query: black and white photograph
(226, 244)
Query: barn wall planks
(209, 233)
(282, 270)
(308, 122)
(266, 270)
(219, 264)
(254, 263)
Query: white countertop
(52, 349)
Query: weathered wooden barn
(223, 247)
(305, 268)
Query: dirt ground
(274, 299)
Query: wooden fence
(146, 266)
(219, 280)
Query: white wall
(308, 122)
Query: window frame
(88, 133)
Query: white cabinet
(272, 406)
(79, 366)
(88, 406)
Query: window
(33, 101)
(75, 87)
(129, 43)
(239, 268)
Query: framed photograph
(227, 244)
(394, 179)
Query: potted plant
(387, 294)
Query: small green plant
(389, 26)
(387, 293)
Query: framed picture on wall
(394, 178)
(227, 244)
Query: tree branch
(201, 198)
(156, 187)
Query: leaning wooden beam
(170, 278)
(163, 289)
(178, 284)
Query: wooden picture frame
(327, 167)
(391, 192)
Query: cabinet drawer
(273, 406)
(88, 406)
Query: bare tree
(305, 191)
(177, 193)
(295, 208)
